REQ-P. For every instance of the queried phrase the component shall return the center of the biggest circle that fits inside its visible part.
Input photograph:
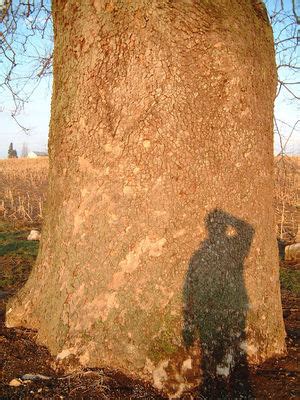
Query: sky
(36, 113)
(36, 117)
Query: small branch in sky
(24, 129)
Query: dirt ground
(19, 354)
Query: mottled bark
(161, 114)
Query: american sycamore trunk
(158, 251)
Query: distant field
(23, 187)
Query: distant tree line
(12, 153)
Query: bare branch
(285, 85)
(24, 27)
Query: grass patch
(290, 280)
(16, 244)
(17, 256)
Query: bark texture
(161, 124)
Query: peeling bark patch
(78, 221)
(128, 191)
(179, 233)
(65, 353)
(115, 150)
(146, 144)
(186, 365)
(159, 373)
(225, 368)
(84, 358)
(100, 307)
(86, 166)
(249, 349)
(112, 218)
(131, 262)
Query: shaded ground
(19, 354)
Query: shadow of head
(222, 224)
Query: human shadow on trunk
(215, 306)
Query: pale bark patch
(115, 150)
(65, 353)
(225, 368)
(179, 233)
(159, 373)
(100, 308)
(186, 365)
(131, 262)
(147, 144)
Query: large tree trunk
(161, 137)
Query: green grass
(290, 280)
(17, 255)
(16, 244)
